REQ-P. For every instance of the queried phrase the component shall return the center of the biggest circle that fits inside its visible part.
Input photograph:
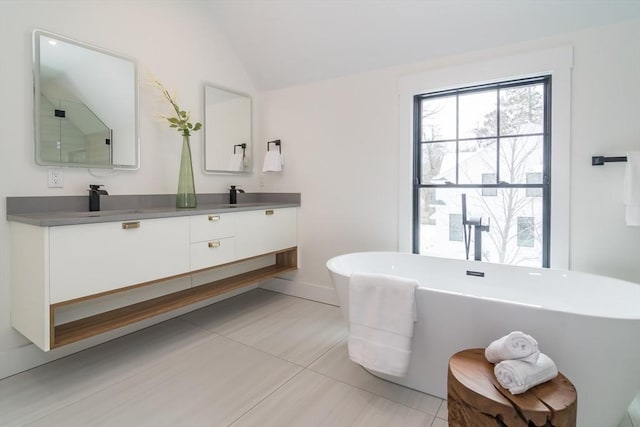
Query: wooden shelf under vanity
(76, 330)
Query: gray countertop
(43, 215)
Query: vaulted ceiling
(287, 42)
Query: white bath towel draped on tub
(382, 312)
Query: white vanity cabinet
(89, 259)
(57, 266)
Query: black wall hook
(277, 144)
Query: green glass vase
(186, 196)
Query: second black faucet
(233, 194)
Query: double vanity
(76, 274)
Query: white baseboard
(302, 290)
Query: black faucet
(478, 228)
(94, 197)
(233, 194)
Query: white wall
(175, 41)
(339, 143)
(340, 140)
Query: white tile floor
(259, 359)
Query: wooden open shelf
(87, 327)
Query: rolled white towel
(519, 376)
(516, 345)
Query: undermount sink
(102, 213)
(236, 205)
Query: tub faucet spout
(478, 228)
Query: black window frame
(546, 172)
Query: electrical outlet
(55, 178)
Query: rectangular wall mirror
(85, 105)
(227, 131)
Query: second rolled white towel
(516, 345)
(518, 376)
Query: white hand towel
(632, 189)
(236, 162)
(519, 376)
(381, 316)
(516, 345)
(272, 161)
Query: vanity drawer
(264, 231)
(89, 259)
(212, 252)
(212, 226)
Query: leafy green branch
(181, 121)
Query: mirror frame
(249, 152)
(36, 37)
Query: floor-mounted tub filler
(588, 324)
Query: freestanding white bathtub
(588, 324)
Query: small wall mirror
(227, 131)
(85, 105)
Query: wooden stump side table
(475, 397)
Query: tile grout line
(228, 334)
(231, 332)
(376, 394)
(372, 392)
(297, 297)
(324, 353)
(301, 370)
(436, 418)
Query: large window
(492, 144)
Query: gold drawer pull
(215, 244)
(214, 218)
(268, 212)
(130, 225)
